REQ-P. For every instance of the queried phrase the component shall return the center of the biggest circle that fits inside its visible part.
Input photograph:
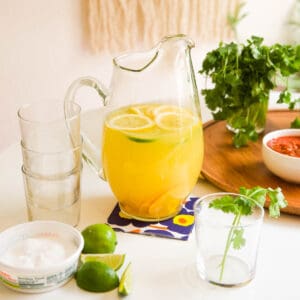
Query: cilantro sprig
(243, 76)
(244, 206)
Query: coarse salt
(37, 252)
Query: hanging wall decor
(120, 25)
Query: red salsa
(289, 145)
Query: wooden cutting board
(229, 168)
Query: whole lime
(95, 276)
(99, 238)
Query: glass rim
(54, 177)
(22, 118)
(52, 153)
(220, 194)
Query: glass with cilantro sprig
(223, 257)
(227, 228)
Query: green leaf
(241, 138)
(296, 123)
(277, 201)
(285, 97)
(257, 194)
(238, 240)
(226, 204)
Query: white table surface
(162, 268)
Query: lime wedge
(125, 286)
(115, 261)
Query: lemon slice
(115, 261)
(145, 110)
(125, 285)
(168, 108)
(130, 122)
(175, 120)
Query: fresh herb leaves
(244, 206)
(243, 76)
(238, 240)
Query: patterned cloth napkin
(178, 227)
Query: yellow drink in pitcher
(152, 157)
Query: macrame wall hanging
(121, 25)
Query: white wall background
(42, 50)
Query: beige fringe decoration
(120, 25)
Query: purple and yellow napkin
(179, 227)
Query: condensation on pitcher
(37, 252)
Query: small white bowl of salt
(39, 256)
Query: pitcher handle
(90, 153)
(86, 81)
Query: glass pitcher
(152, 139)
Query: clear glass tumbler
(227, 243)
(51, 148)
(54, 197)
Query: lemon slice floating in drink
(130, 122)
(175, 120)
(150, 122)
(145, 109)
(137, 126)
(168, 108)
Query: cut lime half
(115, 261)
(125, 286)
(95, 276)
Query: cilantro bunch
(244, 206)
(243, 75)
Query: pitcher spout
(136, 61)
(139, 61)
(188, 42)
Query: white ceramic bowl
(54, 247)
(284, 166)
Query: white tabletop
(162, 268)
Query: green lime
(125, 286)
(95, 276)
(114, 261)
(99, 238)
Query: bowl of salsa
(281, 153)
